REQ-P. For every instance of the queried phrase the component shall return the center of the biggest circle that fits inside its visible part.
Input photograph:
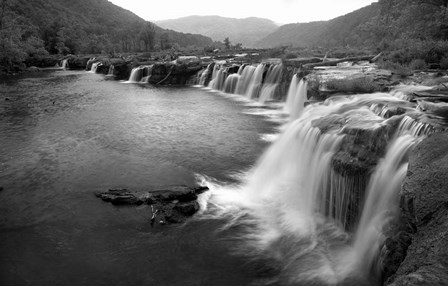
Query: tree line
(34, 29)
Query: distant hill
(93, 26)
(246, 31)
(339, 31)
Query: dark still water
(65, 135)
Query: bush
(444, 63)
(396, 68)
(290, 56)
(356, 85)
(417, 64)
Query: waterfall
(292, 90)
(248, 80)
(89, 63)
(136, 75)
(269, 88)
(94, 67)
(241, 69)
(296, 98)
(411, 126)
(231, 83)
(146, 73)
(111, 70)
(218, 78)
(247, 73)
(300, 210)
(64, 64)
(205, 74)
(254, 86)
(381, 202)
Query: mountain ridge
(329, 32)
(218, 27)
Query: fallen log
(167, 76)
(335, 62)
(298, 62)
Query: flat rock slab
(172, 204)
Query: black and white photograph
(224, 143)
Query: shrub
(417, 64)
(396, 68)
(356, 85)
(290, 56)
(444, 63)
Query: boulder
(424, 208)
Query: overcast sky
(280, 11)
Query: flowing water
(287, 218)
(66, 135)
(315, 225)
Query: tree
(147, 34)
(227, 43)
(165, 41)
(18, 38)
(238, 46)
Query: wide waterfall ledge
(322, 204)
(320, 198)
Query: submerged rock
(172, 204)
(424, 210)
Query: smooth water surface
(66, 135)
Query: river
(68, 134)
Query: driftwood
(335, 62)
(167, 76)
(298, 62)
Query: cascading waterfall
(250, 81)
(136, 75)
(231, 82)
(247, 72)
(111, 70)
(255, 83)
(295, 207)
(94, 67)
(218, 78)
(381, 202)
(296, 98)
(270, 85)
(146, 73)
(64, 64)
(409, 125)
(292, 90)
(205, 74)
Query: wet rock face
(425, 201)
(173, 73)
(77, 62)
(169, 205)
(363, 144)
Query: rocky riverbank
(417, 254)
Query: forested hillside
(336, 32)
(246, 31)
(405, 29)
(33, 28)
